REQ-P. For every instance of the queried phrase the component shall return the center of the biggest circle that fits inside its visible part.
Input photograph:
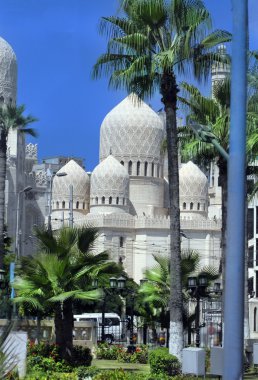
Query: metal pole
(235, 254)
(17, 235)
(103, 319)
(197, 319)
(219, 148)
(71, 206)
(131, 321)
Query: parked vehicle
(112, 323)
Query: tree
(59, 274)
(11, 117)
(153, 42)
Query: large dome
(109, 179)
(75, 176)
(132, 131)
(8, 73)
(193, 188)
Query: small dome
(132, 131)
(8, 73)
(77, 177)
(193, 184)
(110, 179)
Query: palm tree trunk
(3, 150)
(169, 98)
(64, 329)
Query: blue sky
(56, 43)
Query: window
(198, 206)
(117, 200)
(145, 168)
(96, 200)
(130, 167)
(83, 205)
(138, 166)
(57, 205)
(10, 100)
(191, 206)
(77, 204)
(250, 223)
(121, 242)
(63, 204)
(157, 170)
(152, 169)
(1, 99)
(122, 163)
(110, 200)
(123, 201)
(251, 257)
(255, 316)
(103, 200)
(184, 206)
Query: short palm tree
(148, 46)
(59, 274)
(11, 117)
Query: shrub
(161, 362)
(108, 352)
(81, 356)
(41, 364)
(84, 372)
(140, 355)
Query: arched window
(117, 200)
(123, 201)
(145, 168)
(1, 99)
(212, 180)
(204, 207)
(130, 167)
(138, 168)
(122, 163)
(77, 204)
(103, 200)
(198, 206)
(152, 169)
(255, 316)
(96, 200)
(184, 206)
(110, 200)
(63, 204)
(157, 170)
(191, 206)
(121, 242)
(57, 205)
(83, 205)
(10, 100)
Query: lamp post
(62, 174)
(17, 235)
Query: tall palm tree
(59, 274)
(11, 117)
(149, 45)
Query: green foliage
(47, 365)
(81, 356)
(51, 376)
(139, 356)
(108, 352)
(84, 372)
(120, 374)
(161, 362)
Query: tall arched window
(122, 163)
(77, 204)
(1, 99)
(117, 200)
(255, 316)
(198, 206)
(191, 206)
(130, 167)
(123, 201)
(103, 200)
(96, 200)
(145, 168)
(121, 242)
(110, 200)
(63, 204)
(83, 205)
(138, 168)
(184, 206)
(152, 169)
(57, 205)
(157, 170)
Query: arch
(110, 200)
(191, 206)
(152, 169)
(255, 317)
(122, 163)
(198, 206)
(145, 168)
(130, 167)
(117, 200)
(10, 100)
(77, 204)
(184, 206)
(138, 167)
(157, 170)
(63, 204)
(96, 200)
(1, 99)
(83, 205)
(57, 205)
(103, 200)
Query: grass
(114, 364)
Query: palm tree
(11, 117)
(148, 46)
(59, 274)
(155, 292)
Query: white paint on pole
(176, 340)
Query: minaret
(219, 71)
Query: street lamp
(61, 174)
(17, 235)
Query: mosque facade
(126, 195)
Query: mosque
(126, 195)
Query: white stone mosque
(126, 195)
